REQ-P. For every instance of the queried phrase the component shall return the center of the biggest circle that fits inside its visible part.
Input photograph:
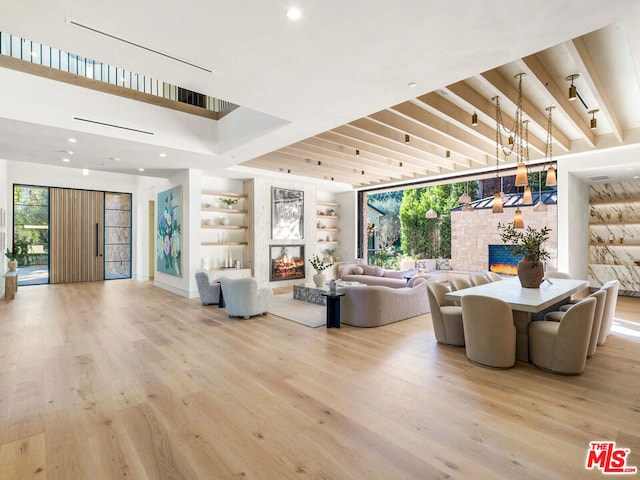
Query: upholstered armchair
(611, 287)
(478, 279)
(243, 298)
(489, 331)
(561, 347)
(445, 315)
(209, 292)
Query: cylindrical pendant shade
(518, 221)
(527, 198)
(467, 207)
(521, 176)
(497, 204)
(431, 213)
(551, 177)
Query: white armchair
(243, 298)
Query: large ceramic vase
(319, 279)
(530, 273)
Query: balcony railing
(36, 53)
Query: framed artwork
(170, 231)
(287, 262)
(287, 214)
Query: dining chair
(459, 283)
(478, 279)
(600, 296)
(492, 276)
(561, 347)
(489, 331)
(611, 287)
(445, 315)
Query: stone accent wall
(472, 232)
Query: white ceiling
(342, 61)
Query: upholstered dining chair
(459, 283)
(478, 279)
(561, 347)
(445, 315)
(489, 331)
(611, 287)
(243, 298)
(601, 297)
(209, 292)
(492, 276)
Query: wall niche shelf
(612, 219)
(327, 225)
(223, 244)
(225, 227)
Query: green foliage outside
(31, 219)
(420, 237)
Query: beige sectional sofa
(373, 275)
(376, 305)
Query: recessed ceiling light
(294, 13)
(163, 155)
(70, 152)
(66, 160)
(85, 171)
(72, 140)
(629, 169)
(412, 85)
(636, 177)
(141, 169)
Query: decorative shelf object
(224, 244)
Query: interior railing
(29, 51)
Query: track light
(447, 154)
(406, 138)
(357, 152)
(573, 91)
(594, 120)
(474, 119)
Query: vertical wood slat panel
(74, 214)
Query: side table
(333, 309)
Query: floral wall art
(170, 231)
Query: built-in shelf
(616, 243)
(223, 210)
(623, 201)
(328, 217)
(222, 244)
(335, 242)
(224, 194)
(225, 227)
(609, 222)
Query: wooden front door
(76, 235)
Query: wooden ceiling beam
(342, 154)
(487, 107)
(580, 54)
(347, 135)
(374, 133)
(533, 66)
(445, 134)
(505, 89)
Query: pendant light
(464, 199)
(527, 198)
(497, 206)
(518, 222)
(548, 153)
(431, 213)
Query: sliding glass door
(31, 233)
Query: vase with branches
(530, 244)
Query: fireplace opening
(287, 262)
(502, 261)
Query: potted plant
(319, 266)
(12, 255)
(331, 212)
(528, 243)
(329, 253)
(229, 202)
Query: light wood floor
(123, 380)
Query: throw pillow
(358, 270)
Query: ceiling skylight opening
(294, 13)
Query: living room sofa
(375, 276)
(376, 305)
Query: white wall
(348, 248)
(6, 203)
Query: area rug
(308, 314)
